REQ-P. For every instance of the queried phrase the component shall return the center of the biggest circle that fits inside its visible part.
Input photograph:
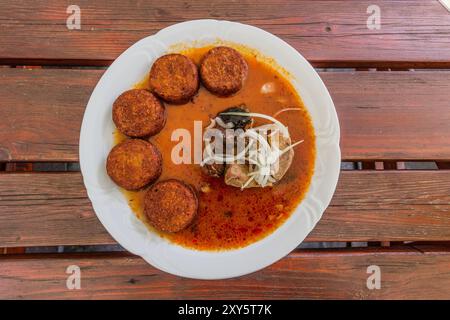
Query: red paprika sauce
(227, 217)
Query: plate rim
(312, 223)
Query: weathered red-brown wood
(328, 33)
(15, 167)
(39, 209)
(407, 273)
(392, 115)
(41, 112)
(383, 115)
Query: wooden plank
(412, 33)
(388, 206)
(392, 115)
(406, 273)
(48, 209)
(42, 112)
(24, 167)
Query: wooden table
(392, 94)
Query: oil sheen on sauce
(229, 218)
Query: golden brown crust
(134, 163)
(138, 113)
(170, 205)
(223, 71)
(174, 78)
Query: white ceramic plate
(96, 140)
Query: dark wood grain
(408, 273)
(43, 209)
(383, 115)
(328, 33)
